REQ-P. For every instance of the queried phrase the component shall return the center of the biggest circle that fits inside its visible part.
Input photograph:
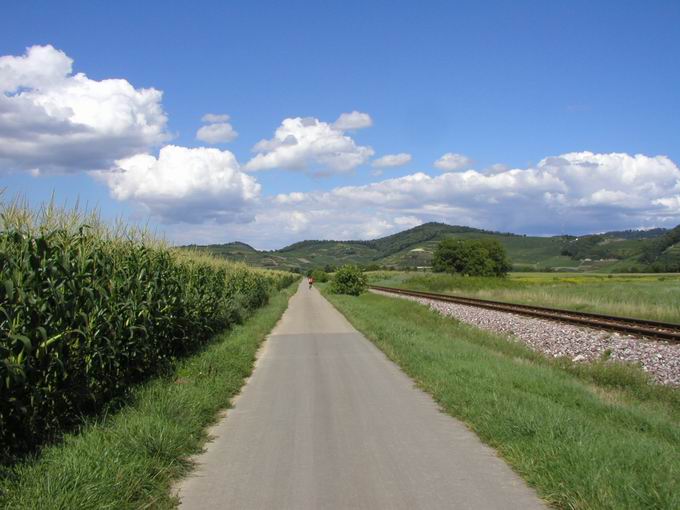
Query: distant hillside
(637, 234)
(624, 250)
(663, 253)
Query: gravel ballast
(581, 344)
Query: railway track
(638, 327)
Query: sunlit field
(648, 296)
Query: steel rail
(640, 327)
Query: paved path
(327, 422)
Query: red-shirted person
(311, 281)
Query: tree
(473, 257)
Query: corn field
(86, 311)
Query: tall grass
(594, 436)
(128, 460)
(86, 311)
(644, 296)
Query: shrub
(319, 275)
(350, 280)
(473, 257)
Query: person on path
(311, 281)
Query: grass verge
(129, 459)
(586, 437)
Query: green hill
(663, 252)
(624, 250)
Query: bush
(85, 313)
(472, 257)
(349, 280)
(319, 275)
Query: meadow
(645, 296)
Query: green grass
(585, 436)
(646, 296)
(129, 459)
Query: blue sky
(575, 102)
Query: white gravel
(661, 359)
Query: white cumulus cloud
(221, 132)
(391, 160)
(571, 193)
(308, 144)
(217, 130)
(52, 119)
(185, 185)
(353, 120)
(451, 161)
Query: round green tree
(473, 257)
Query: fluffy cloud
(186, 185)
(390, 160)
(221, 132)
(582, 191)
(570, 193)
(451, 161)
(52, 119)
(217, 130)
(353, 120)
(309, 144)
(497, 168)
